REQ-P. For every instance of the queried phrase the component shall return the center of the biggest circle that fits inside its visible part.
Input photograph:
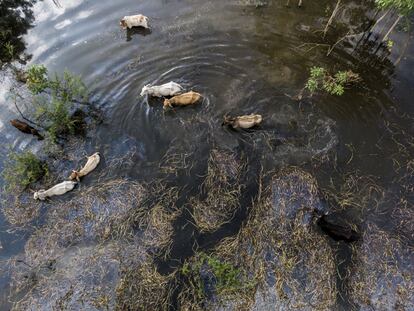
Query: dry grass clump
(361, 193)
(112, 276)
(221, 190)
(20, 209)
(286, 264)
(403, 217)
(157, 218)
(142, 288)
(381, 274)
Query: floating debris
(221, 191)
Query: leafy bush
(37, 80)
(404, 7)
(55, 99)
(69, 87)
(16, 18)
(22, 170)
(321, 80)
(228, 279)
(227, 276)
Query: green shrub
(55, 99)
(22, 170)
(404, 7)
(321, 80)
(55, 114)
(228, 279)
(227, 276)
(37, 80)
(69, 88)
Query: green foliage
(228, 279)
(37, 80)
(16, 19)
(22, 170)
(56, 115)
(321, 80)
(10, 50)
(404, 7)
(54, 109)
(69, 87)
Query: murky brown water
(244, 60)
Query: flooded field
(183, 213)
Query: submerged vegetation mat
(95, 251)
(220, 191)
(274, 260)
(112, 276)
(381, 274)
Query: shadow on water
(16, 18)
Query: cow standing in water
(300, 2)
(26, 128)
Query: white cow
(59, 189)
(168, 89)
(134, 21)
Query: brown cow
(26, 128)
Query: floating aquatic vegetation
(176, 161)
(20, 209)
(208, 277)
(278, 251)
(114, 276)
(143, 288)
(157, 218)
(380, 276)
(221, 191)
(95, 250)
(360, 193)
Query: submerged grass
(111, 229)
(143, 288)
(207, 276)
(220, 192)
(380, 275)
(278, 257)
(278, 242)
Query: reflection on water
(243, 60)
(16, 18)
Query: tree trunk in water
(392, 28)
(335, 11)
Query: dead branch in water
(335, 11)
(23, 116)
